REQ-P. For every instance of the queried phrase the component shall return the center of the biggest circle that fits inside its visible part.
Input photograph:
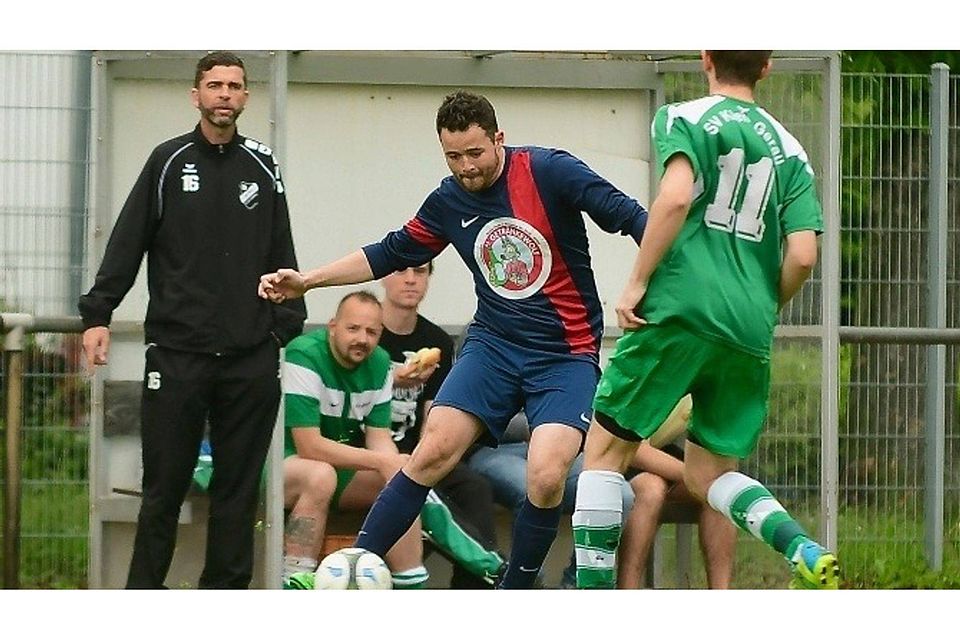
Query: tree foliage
(896, 61)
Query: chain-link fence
(887, 214)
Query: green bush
(55, 453)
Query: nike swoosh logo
(466, 223)
(584, 417)
(525, 570)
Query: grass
(876, 551)
(54, 525)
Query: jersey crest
(513, 257)
(248, 194)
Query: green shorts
(653, 367)
(344, 476)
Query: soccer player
(731, 238)
(514, 214)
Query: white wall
(360, 159)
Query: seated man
(338, 443)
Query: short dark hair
(363, 296)
(460, 110)
(739, 67)
(217, 59)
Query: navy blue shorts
(494, 379)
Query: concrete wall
(360, 160)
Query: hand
(411, 375)
(282, 285)
(418, 368)
(391, 464)
(96, 345)
(627, 318)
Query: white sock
(598, 516)
(411, 578)
(298, 564)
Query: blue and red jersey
(525, 242)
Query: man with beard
(209, 211)
(338, 441)
(534, 341)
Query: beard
(477, 182)
(218, 120)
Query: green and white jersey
(318, 392)
(754, 185)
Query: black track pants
(238, 395)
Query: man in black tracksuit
(209, 211)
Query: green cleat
(300, 581)
(817, 569)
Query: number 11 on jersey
(723, 213)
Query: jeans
(506, 469)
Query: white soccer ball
(352, 569)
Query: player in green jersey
(731, 237)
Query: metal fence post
(273, 556)
(13, 325)
(936, 389)
(830, 312)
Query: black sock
(391, 515)
(533, 533)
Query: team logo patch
(513, 256)
(249, 191)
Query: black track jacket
(211, 218)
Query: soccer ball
(352, 569)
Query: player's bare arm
(799, 259)
(666, 218)
(649, 458)
(284, 284)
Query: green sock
(752, 507)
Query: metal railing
(15, 327)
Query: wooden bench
(685, 517)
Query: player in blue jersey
(514, 214)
